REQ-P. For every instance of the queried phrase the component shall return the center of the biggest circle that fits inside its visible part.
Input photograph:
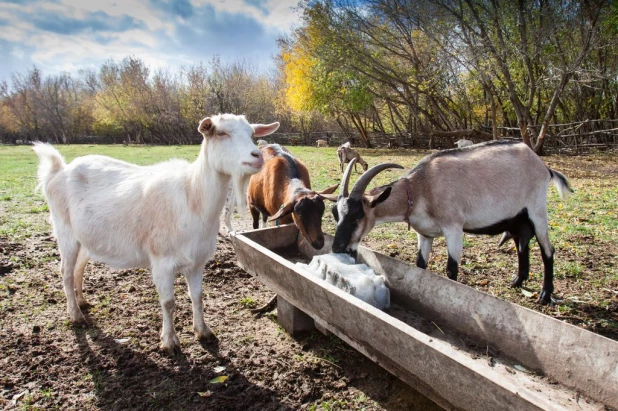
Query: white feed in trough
(358, 280)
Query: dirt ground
(115, 363)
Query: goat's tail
(561, 183)
(50, 163)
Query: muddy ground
(115, 363)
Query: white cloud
(277, 15)
(33, 33)
(138, 9)
(18, 53)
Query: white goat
(488, 188)
(164, 216)
(463, 143)
(322, 143)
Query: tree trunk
(361, 130)
(525, 133)
(494, 118)
(538, 148)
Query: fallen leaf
(219, 369)
(219, 379)
(483, 282)
(122, 340)
(522, 368)
(18, 396)
(204, 394)
(527, 293)
(392, 245)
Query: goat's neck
(295, 187)
(207, 187)
(395, 207)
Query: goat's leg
(255, 214)
(547, 253)
(69, 250)
(522, 244)
(78, 275)
(454, 246)
(424, 249)
(163, 277)
(264, 220)
(194, 283)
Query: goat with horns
(490, 188)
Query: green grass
(247, 302)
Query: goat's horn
(346, 178)
(359, 188)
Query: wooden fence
(569, 138)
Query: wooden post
(291, 319)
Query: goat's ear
(331, 197)
(329, 190)
(206, 127)
(283, 211)
(374, 200)
(328, 193)
(262, 130)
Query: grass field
(583, 229)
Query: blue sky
(67, 35)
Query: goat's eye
(222, 134)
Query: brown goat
(282, 191)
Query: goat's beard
(240, 182)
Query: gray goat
(346, 154)
(489, 188)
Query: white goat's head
(230, 150)
(354, 212)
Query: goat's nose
(256, 153)
(318, 244)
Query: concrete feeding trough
(460, 347)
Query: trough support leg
(291, 319)
(321, 327)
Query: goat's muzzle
(318, 244)
(258, 162)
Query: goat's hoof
(170, 345)
(544, 298)
(171, 350)
(517, 282)
(79, 320)
(82, 323)
(205, 335)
